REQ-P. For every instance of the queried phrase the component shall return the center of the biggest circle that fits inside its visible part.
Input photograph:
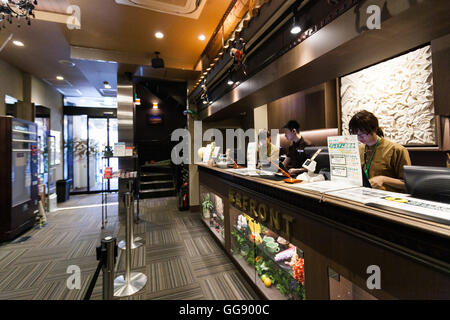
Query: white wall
(260, 118)
(11, 84)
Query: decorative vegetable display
(286, 254)
(269, 270)
(299, 271)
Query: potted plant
(207, 206)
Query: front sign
(262, 212)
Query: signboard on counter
(262, 212)
(345, 162)
(251, 156)
(207, 153)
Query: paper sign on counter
(345, 162)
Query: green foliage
(207, 203)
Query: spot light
(295, 27)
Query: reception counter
(344, 249)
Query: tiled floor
(180, 258)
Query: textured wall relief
(399, 92)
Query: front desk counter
(344, 249)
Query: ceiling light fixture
(201, 37)
(295, 27)
(159, 35)
(10, 9)
(230, 82)
(18, 43)
(59, 78)
(107, 85)
(67, 63)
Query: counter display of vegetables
(255, 256)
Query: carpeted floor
(180, 257)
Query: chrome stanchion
(135, 242)
(110, 248)
(131, 282)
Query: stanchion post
(130, 282)
(135, 242)
(109, 247)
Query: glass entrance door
(86, 139)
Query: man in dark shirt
(295, 155)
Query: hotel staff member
(382, 160)
(295, 155)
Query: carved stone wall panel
(399, 92)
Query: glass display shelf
(271, 293)
(261, 250)
(217, 234)
(260, 262)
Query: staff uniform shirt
(389, 159)
(296, 154)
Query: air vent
(186, 8)
(108, 92)
(69, 92)
(58, 83)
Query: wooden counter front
(413, 254)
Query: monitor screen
(431, 183)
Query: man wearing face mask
(295, 155)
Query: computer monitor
(322, 159)
(431, 183)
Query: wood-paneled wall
(314, 108)
(441, 76)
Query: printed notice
(207, 153)
(345, 165)
(251, 156)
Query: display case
(336, 246)
(18, 176)
(212, 210)
(275, 265)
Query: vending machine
(18, 176)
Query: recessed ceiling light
(18, 43)
(59, 78)
(201, 37)
(159, 35)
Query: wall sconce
(155, 105)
